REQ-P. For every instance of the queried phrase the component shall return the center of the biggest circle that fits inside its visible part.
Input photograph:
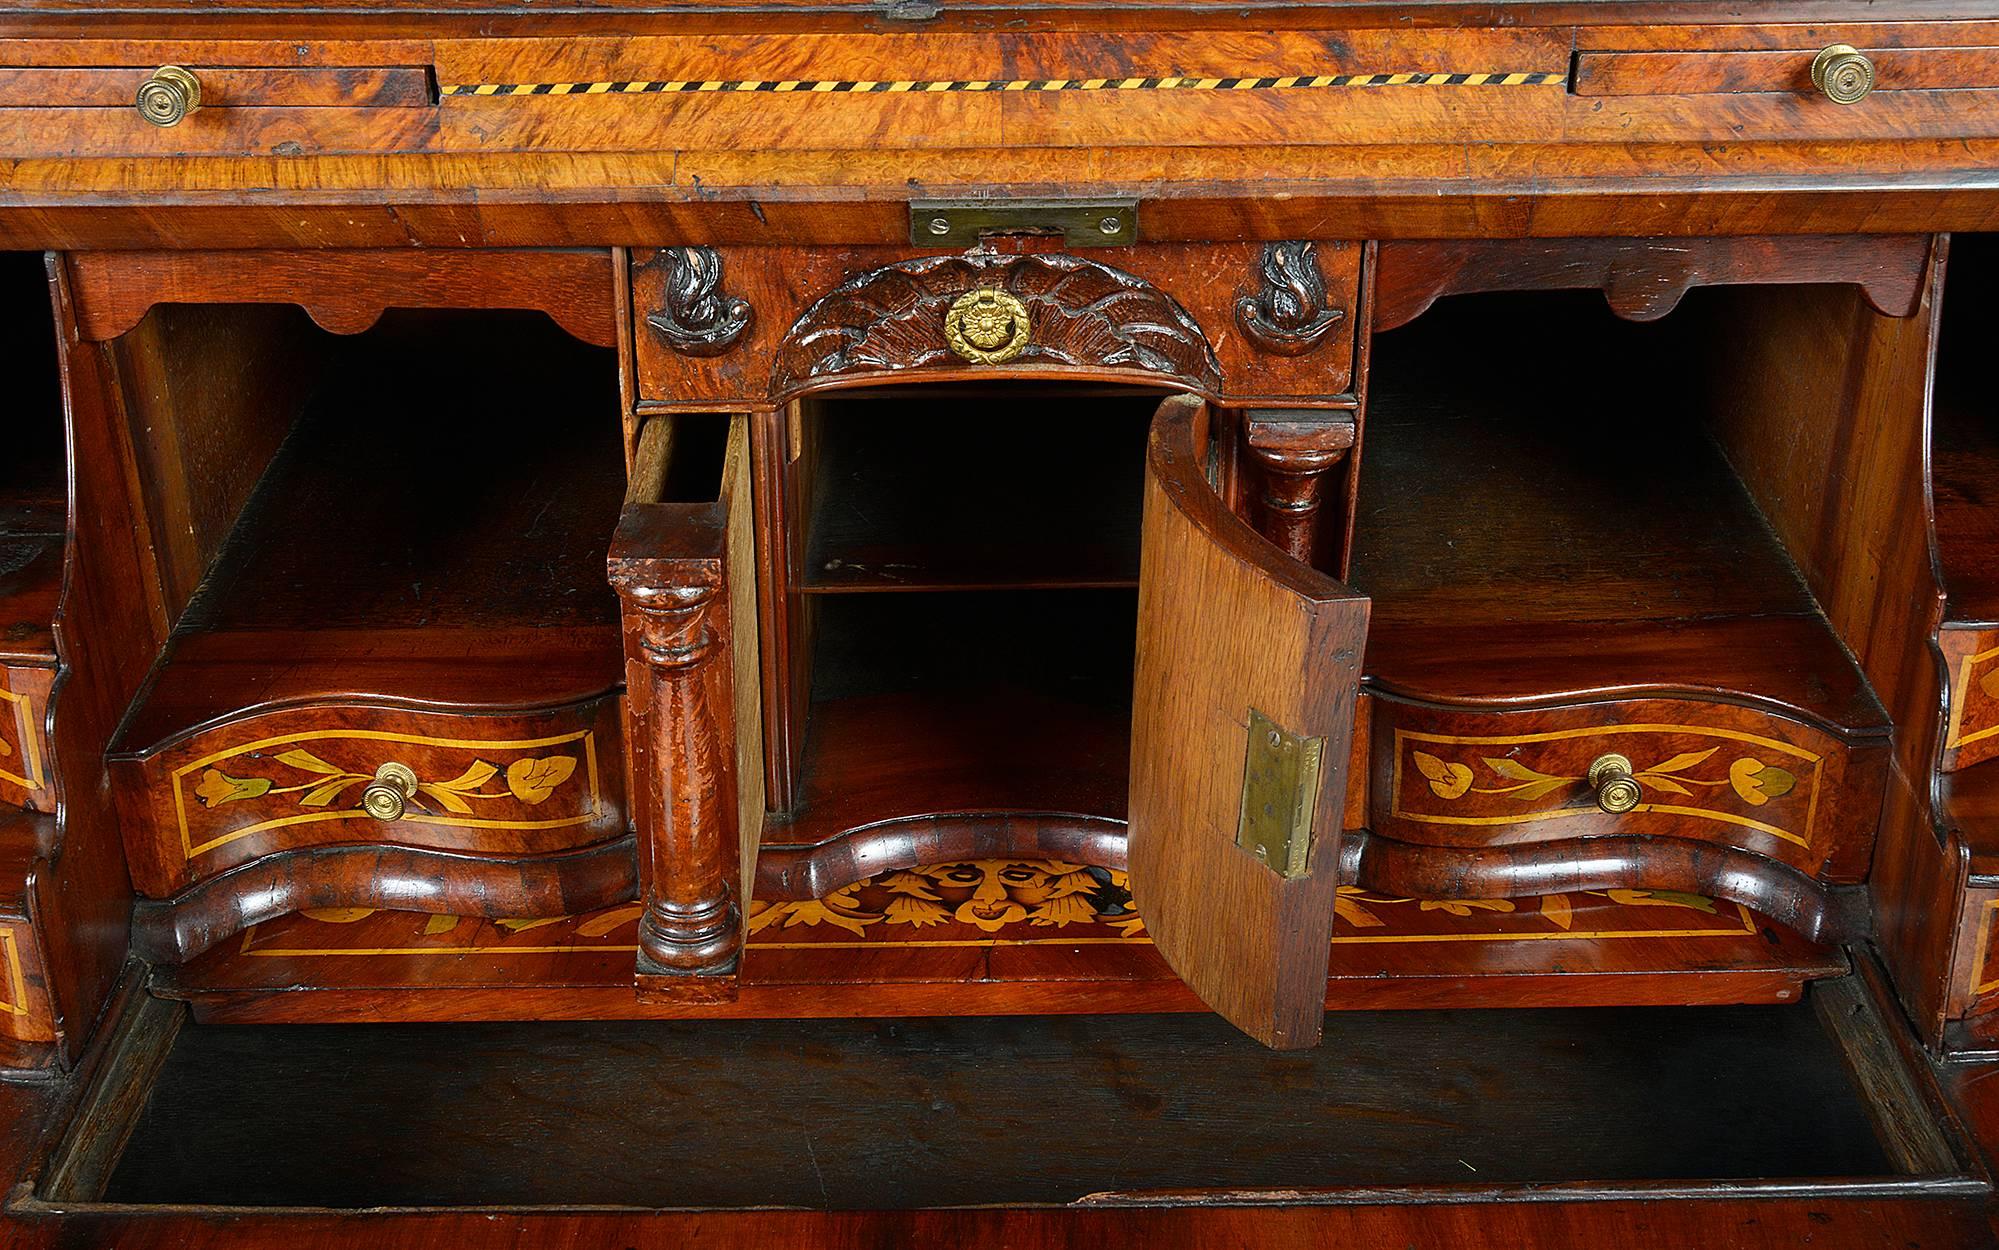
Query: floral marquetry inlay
(23, 764)
(539, 783)
(529, 780)
(1001, 903)
(1710, 774)
(1753, 781)
(1973, 731)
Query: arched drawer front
(516, 783)
(1710, 772)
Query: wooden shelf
(1519, 542)
(978, 489)
(413, 495)
(424, 533)
(963, 703)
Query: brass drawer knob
(987, 327)
(169, 94)
(1616, 789)
(1843, 74)
(388, 795)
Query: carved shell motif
(1082, 314)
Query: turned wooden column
(1294, 452)
(684, 785)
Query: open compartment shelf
(1524, 537)
(963, 488)
(965, 702)
(432, 525)
(997, 677)
(1965, 432)
(33, 486)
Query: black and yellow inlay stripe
(807, 86)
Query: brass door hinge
(1081, 223)
(1280, 789)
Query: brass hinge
(1280, 790)
(1081, 223)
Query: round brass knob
(388, 795)
(1616, 789)
(169, 94)
(1843, 74)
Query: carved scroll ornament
(699, 318)
(1078, 313)
(1288, 315)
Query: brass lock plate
(1280, 789)
(1081, 223)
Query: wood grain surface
(1229, 629)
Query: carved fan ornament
(1078, 313)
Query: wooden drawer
(1731, 72)
(1707, 772)
(1971, 656)
(27, 1016)
(511, 784)
(222, 87)
(750, 324)
(24, 747)
(70, 98)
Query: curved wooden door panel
(1247, 670)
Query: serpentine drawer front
(1677, 768)
(505, 784)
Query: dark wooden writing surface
(645, 511)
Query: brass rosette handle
(168, 95)
(388, 795)
(1617, 791)
(987, 326)
(1843, 74)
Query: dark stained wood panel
(1001, 1111)
(1015, 489)
(33, 486)
(449, 471)
(1965, 446)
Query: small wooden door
(1242, 710)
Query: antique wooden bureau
(739, 592)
